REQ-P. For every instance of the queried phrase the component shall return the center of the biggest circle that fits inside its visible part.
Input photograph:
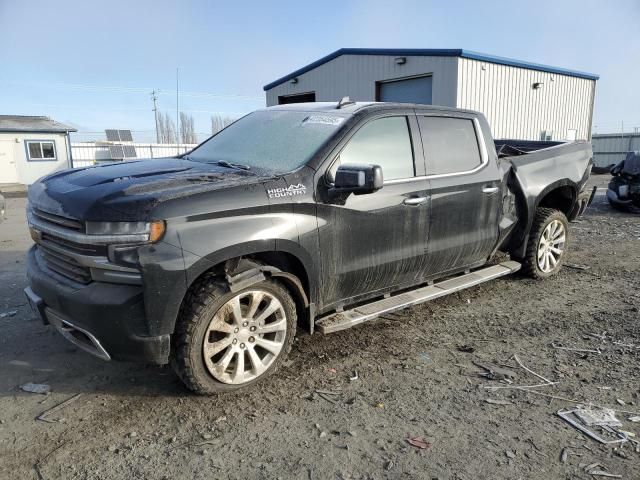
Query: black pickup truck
(319, 216)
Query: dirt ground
(416, 379)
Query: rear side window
(450, 145)
(383, 142)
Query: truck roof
(361, 106)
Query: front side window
(450, 145)
(385, 142)
(41, 150)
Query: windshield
(275, 141)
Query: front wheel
(547, 244)
(226, 341)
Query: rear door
(373, 242)
(465, 192)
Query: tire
(547, 245)
(241, 349)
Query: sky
(93, 64)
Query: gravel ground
(416, 379)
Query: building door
(8, 171)
(297, 98)
(408, 90)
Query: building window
(546, 135)
(41, 150)
(297, 98)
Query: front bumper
(107, 320)
(613, 198)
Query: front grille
(59, 254)
(81, 248)
(66, 222)
(64, 265)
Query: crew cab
(319, 216)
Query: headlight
(149, 231)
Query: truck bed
(513, 147)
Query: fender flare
(251, 272)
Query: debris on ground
(419, 442)
(602, 473)
(564, 455)
(328, 395)
(578, 350)
(465, 348)
(40, 388)
(497, 402)
(494, 372)
(424, 357)
(599, 416)
(607, 434)
(354, 377)
(44, 416)
(11, 313)
(634, 419)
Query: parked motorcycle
(624, 187)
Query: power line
(119, 89)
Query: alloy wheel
(551, 246)
(245, 337)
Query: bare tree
(166, 128)
(187, 129)
(218, 122)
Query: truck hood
(130, 191)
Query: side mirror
(357, 179)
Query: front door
(376, 241)
(8, 171)
(465, 193)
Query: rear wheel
(547, 244)
(226, 341)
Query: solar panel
(112, 135)
(116, 151)
(129, 151)
(125, 136)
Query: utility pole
(155, 113)
(177, 108)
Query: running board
(350, 318)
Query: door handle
(490, 190)
(414, 200)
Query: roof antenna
(344, 101)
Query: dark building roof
(35, 124)
(430, 52)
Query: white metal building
(520, 99)
(31, 147)
(612, 148)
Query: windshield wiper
(237, 166)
